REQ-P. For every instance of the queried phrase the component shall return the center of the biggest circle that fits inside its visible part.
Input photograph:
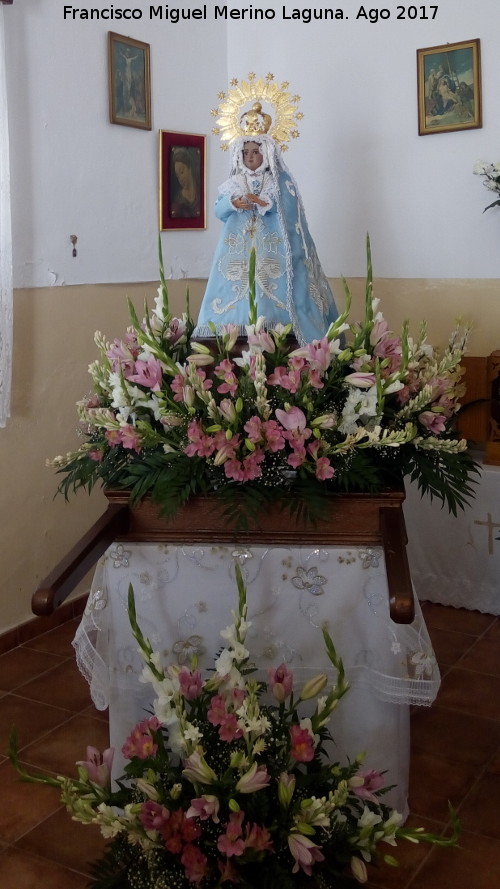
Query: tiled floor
(455, 756)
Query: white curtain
(5, 243)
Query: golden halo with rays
(233, 118)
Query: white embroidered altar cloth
(455, 560)
(184, 598)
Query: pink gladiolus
(281, 682)
(231, 842)
(372, 780)
(302, 744)
(191, 683)
(195, 863)
(305, 853)
(140, 742)
(204, 807)
(98, 766)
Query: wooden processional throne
(355, 520)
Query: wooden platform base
(351, 520)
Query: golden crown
(233, 121)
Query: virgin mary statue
(260, 206)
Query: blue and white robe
(291, 286)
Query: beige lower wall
(53, 346)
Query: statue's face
(252, 155)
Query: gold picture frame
(449, 87)
(182, 181)
(129, 79)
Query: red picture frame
(182, 181)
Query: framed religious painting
(129, 81)
(182, 181)
(449, 87)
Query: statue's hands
(246, 202)
(254, 198)
(241, 203)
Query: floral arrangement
(356, 410)
(491, 173)
(228, 783)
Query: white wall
(360, 163)
(73, 172)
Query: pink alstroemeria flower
(195, 863)
(258, 838)
(302, 744)
(305, 853)
(231, 842)
(130, 438)
(191, 683)
(140, 741)
(224, 371)
(98, 766)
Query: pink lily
(293, 419)
(255, 779)
(305, 853)
(204, 807)
(148, 373)
(98, 766)
(361, 380)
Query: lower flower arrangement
(228, 781)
